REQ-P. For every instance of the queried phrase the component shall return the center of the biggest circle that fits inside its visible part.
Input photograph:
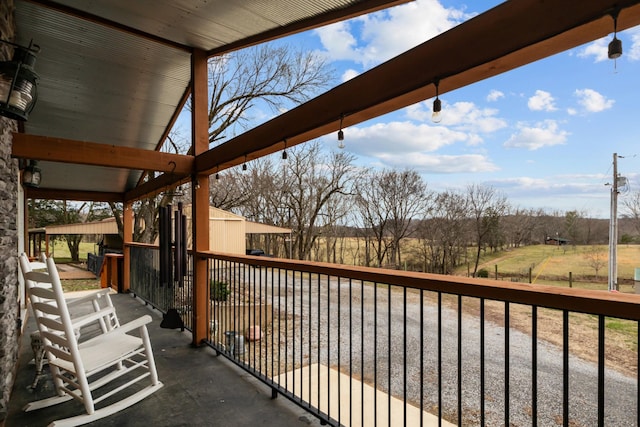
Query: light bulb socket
(284, 155)
(217, 176)
(615, 48)
(244, 166)
(340, 135)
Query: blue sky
(543, 134)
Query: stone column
(9, 309)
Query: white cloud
(598, 50)
(445, 164)
(592, 101)
(388, 33)
(634, 50)
(543, 134)
(494, 95)
(399, 138)
(349, 74)
(541, 101)
(461, 116)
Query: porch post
(127, 237)
(200, 194)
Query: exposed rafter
(89, 196)
(508, 36)
(88, 153)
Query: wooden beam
(156, 185)
(200, 197)
(56, 194)
(508, 36)
(37, 147)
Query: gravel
(343, 330)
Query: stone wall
(9, 309)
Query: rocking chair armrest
(86, 319)
(89, 297)
(138, 323)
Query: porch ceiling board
(508, 36)
(76, 195)
(89, 153)
(116, 72)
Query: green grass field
(552, 265)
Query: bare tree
(631, 209)
(596, 258)
(313, 180)
(271, 75)
(442, 234)
(388, 201)
(486, 207)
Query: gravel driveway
(375, 334)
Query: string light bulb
(244, 165)
(284, 152)
(341, 133)
(615, 45)
(436, 116)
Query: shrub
(219, 291)
(483, 272)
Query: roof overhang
(117, 73)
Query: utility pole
(613, 229)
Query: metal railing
(361, 347)
(145, 283)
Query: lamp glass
(18, 89)
(436, 117)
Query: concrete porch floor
(200, 389)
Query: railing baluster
(440, 359)
(326, 328)
(482, 364)
(601, 363)
(459, 373)
(507, 373)
(565, 368)
(534, 365)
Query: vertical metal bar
(389, 345)
(339, 370)
(375, 353)
(301, 284)
(507, 373)
(318, 338)
(439, 359)
(421, 356)
(293, 331)
(329, 342)
(534, 365)
(601, 362)
(362, 351)
(404, 374)
(286, 329)
(273, 319)
(565, 368)
(351, 352)
(482, 365)
(319, 335)
(459, 379)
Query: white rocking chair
(100, 300)
(80, 369)
(100, 303)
